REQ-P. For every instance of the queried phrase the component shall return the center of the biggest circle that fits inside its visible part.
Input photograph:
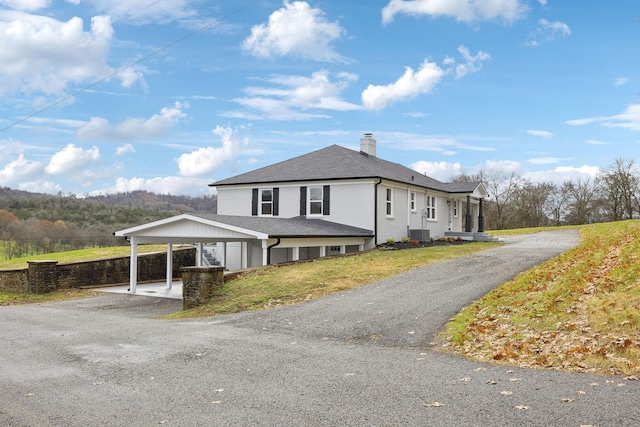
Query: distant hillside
(122, 208)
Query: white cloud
(41, 55)
(19, 171)
(207, 159)
(39, 186)
(289, 94)
(472, 63)
(560, 174)
(541, 133)
(547, 31)
(71, 159)
(596, 142)
(26, 5)
(156, 126)
(145, 11)
(296, 30)
(461, 10)
(442, 171)
(628, 119)
(543, 2)
(620, 81)
(159, 185)
(587, 121)
(413, 83)
(544, 160)
(409, 85)
(126, 148)
(507, 166)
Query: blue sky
(100, 96)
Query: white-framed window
(266, 202)
(431, 208)
(412, 201)
(389, 202)
(454, 203)
(315, 201)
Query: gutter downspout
(269, 250)
(375, 212)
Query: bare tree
(620, 182)
(557, 204)
(529, 203)
(500, 185)
(583, 200)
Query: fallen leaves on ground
(577, 312)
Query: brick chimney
(368, 145)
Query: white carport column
(199, 254)
(244, 250)
(265, 252)
(169, 265)
(224, 253)
(133, 265)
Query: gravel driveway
(359, 358)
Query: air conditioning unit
(420, 234)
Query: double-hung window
(389, 202)
(264, 201)
(455, 208)
(315, 200)
(412, 201)
(431, 208)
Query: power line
(115, 73)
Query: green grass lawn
(80, 255)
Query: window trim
(262, 203)
(305, 200)
(413, 206)
(389, 202)
(317, 201)
(431, 207)
(455, 208)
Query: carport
(288, 238)
(178, 230)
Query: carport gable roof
(202, 228)
(188, 228)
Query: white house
(330, 201)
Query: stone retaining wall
(199, 284)
(45, 276)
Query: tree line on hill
(517, 202)
(35, 223)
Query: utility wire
(115, 73)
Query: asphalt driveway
(359, 358)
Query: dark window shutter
(254, 202)
(303, 201)
(276, 196)
(325, 200)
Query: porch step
(475, 236)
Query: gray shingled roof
(336, 162)
(289, 227)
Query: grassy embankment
(578, 312)
(289, 284)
